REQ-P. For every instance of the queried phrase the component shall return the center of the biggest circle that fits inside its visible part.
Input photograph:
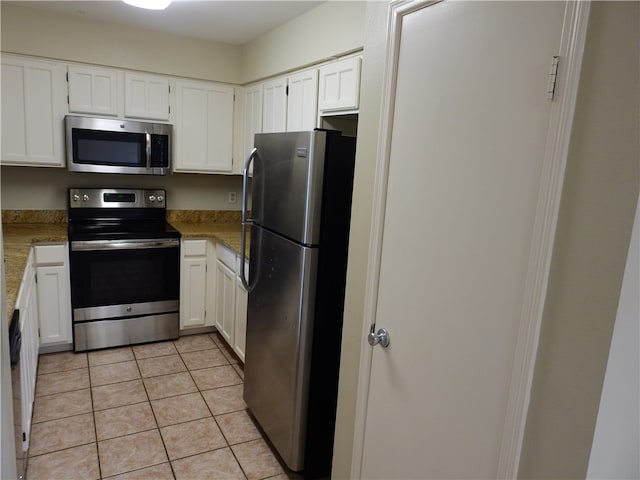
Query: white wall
(32, 32)
(330, 29)
(615, 453)
(333, 28)
(29, 188)
(366, 154)
(599, 197)
(592, 239)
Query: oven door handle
(95, 245)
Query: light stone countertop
(22, 229)
(226, 233)
(17, 241)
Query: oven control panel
(116, 198)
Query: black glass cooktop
(120, 229)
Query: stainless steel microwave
(107, 145)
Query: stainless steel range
(125, 267)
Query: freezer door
(287, 184)
(279, 333)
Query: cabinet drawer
(50, 254)
(226, 256)
(194, 248)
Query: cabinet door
(203, 130)
(193, 292)
(274, 106)
(146, 96)
(252, 118)
(32, 112)
(93, 90)
(240, 332)
(225, 301)
(193, 283)
(27, 304)
(302, 101)
(340, 85)
(54, 304)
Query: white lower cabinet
(27, 306)
(231, 300)
(193, 284)
(225, 292)
(211, 292)
(53, 294)
(240, 327)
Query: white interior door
(465, 162)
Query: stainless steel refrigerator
(301, 205)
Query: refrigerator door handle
(245, 221)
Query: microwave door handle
(148, 149)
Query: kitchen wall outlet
(232, 197)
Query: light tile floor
(169, 410)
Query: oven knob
(160, 198)
(85, 198)
(152, 198)
(76, 197)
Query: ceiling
(234, 22)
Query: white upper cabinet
(302, 101)
(32, 112)
(252, 123)
(111, 92)
(274, 106)
(93, 91)
(339, 85)
(203, 127)
(146, 96)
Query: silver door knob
(381, 337)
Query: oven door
(124, 289)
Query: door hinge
(286, 90)
(24, 437)
(553, 74)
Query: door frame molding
(553, 168)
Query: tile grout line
(93, 413)
(226, 440)
(153, 412)
(230, 360)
